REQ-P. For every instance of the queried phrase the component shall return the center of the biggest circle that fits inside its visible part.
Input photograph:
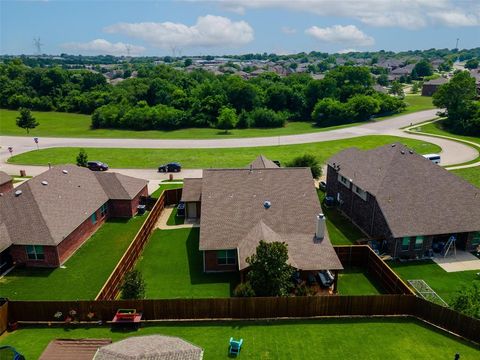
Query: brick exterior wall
(6, 186)
(211, 264)
(19, 256)
(126, 208)
(429, 89)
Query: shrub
(82, 158)
(266, 118)
(133, 286)
(308, 160)
(244, 290)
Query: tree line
(163, 98)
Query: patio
(461, 261)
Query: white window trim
(342, 179)
(360, 192)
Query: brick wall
(211, 264)
(126, 208)
(6, 187)
(19, 256)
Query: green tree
(270, 274)
(227, 119)
(382, 80)
(422, 68)
(308, 160)
(26, 120)
(82, 158)
(362, 107)
(416, 87)
(133, 286)
(472, 64)
(466, 300)
(187, 62)
(329, 112)
(446, 65)
(396, 89)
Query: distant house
(398, 72)
(47, 218)
(6, 182)
(404, 200)
(475, 73)
(430, 87)
(239, 207)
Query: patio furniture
(311, 279)
(9, 352)
(127, 318)
(235, 347)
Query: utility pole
(456, 45)
(38, 45)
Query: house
(398, 72)
(6, 182)
(430, 87)
(404, 200)
(239, 207)
(47, 218)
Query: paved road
(452, 153)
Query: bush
(133, 286)
(266, 118)
(244, 290)
(82, 158)
(310, 161)
(362, 107)
(329, 112)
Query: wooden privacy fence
(111, 287)
(363, 256)
(3, 316)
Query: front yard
(84, 273)
(369, 339)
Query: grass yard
(471, 174)
(364, 339)
(156, 194)
(354, 281)
(85, 273)
(436, 128)
(173, 219)
(212, 158)
(56, 124)
(172, 267)
(443, 283)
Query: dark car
(97, 166)
(181, 209)
(170, 167)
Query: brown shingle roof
(118, 186)
(234, 215)
(261, 162)
(192, 190)
(416, 196)
(4, 178)
(73, 349)
(46, 214)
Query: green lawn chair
(235, 347)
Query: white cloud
(209, 31)
(410, 14)
(346, 51)
(348, 34)
(288, 30)
(104, 47)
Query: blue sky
(199, 27)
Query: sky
(216, 27)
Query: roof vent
(18, 192)
(267, 204)
(410, 151)
(402, 152)
(44, 182)
(393, 145)
(65, 171)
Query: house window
(94, 218)
(361, 193)
(419, 243)
(103, 210)
(344, 180)
(226, 257)
(406, 243)
(476, 238)
(35, 252)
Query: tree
(396, 89)
(187, 62)
(328, 112)
(362, 107)
(26, 120)
(270, 274)
(382, 80)
(308, 160)
(466, 300)
(82, 158)
(133, 286)
(422, 68)
(472, 64)
(227, 119)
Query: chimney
(320, 228)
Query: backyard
(83, 274)
(471, 174)
(212, 158)
(394, 338)
(56, 124)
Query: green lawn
(436, 128)
(470, 174)
(156, 194)
(355, 281)
(417, 103)
(173, 219)
(364, 339)
(211, 158)
(443, 283)
(340, 230)
(56, 124)
(172, 267)
(85, 273)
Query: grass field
(443, 283)
(156, 194)
(436, 128)
(85, 272)
(173, 219)
(211, 158)
(354, 281)
(172, 267)
(55, 124)
(364, 339)
(470, 174)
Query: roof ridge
(42, 216)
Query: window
(476, 238)
(35, 252)
(226, 257)
(406, 243)
(361, 193)
(418, 243)
(344, 180)
(103, 210)
(94, 218)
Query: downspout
(373, 215)
(203, 255)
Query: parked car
(170, 167)
(323, 185)
(181, 209)
(97, 166)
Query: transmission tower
(129, 49)
(456, 45)
(38, 45)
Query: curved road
(452, 152)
